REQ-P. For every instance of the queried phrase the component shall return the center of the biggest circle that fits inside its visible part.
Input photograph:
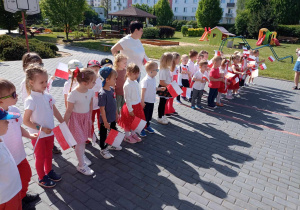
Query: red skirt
(126, 120)
(232, 86)
(222, 89)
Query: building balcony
(229, 15)
(230, 4)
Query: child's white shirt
(150, 84)
(97, 87)
(184, 68)
(41, 105)
(67, 86)
(13, 137)
(199, 75)
(191, 66)
(131, 93)
(165, 75)
(10, 181)
(81, 101)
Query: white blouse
(131, 93)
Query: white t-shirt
(42, 111)
(134, 50)
(191, 66)
(10, 181)
(150, 84)
(131, 93)
(96, 89)
(199, 85)
(81, 101)
(13, 137)
(184, 68)
(23, 90)
(176, 71)
(298, 53)
(67, 86)
(164, 74)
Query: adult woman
(131, 46)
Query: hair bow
(76, 72)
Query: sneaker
(136, 137)
(130, 139)
(213, 107)
(199, 107)
(105, 153)
(88, 142)
(178, 101)
(86, 160)
(143, 133)
(161, 121)
(55, 150)
(229, 97)
(46, 182)
(219, 104)
(237, 95)
(168, 114)
(253, 83)
(246, 84)
(193, 107)
(114, 148)
(149, 130)
(295, 88)
(184, 98)
(30, 197)
(165, 119)
(85, 170)
(54, 176)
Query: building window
(135, 1)
(142, 1)
(184, 18)
(148, 1)
(185, 1)
(229, 11)
(222, 10)
(184, 9)
(176, 1)
(195, 1)
(231, 1)
(194, 9)
(175, 18)
(115, 8)
(124, 7)
(176, 9)
(229, 21)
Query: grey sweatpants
(197, 95)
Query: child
(235, 60)
(297, 69)
(205, 55)
(120, 64)
(214, 81)
(223, 87)
(95, 66)
(199, 84)
(191, 65)
(105, 62)
(254, 73)
(78, 115)
(169, 109)
(164, 80)
(10, 182)
(39, 111)
(108, 109)
(13, 139)
(184, 73)
(132, 106)
(148, 85)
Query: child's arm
(68, 112)
(103, 115)
(236, 72)
(216, 80)
(163, 83)
(128, 101)
(143, 97)
(66, 100)
(259, 62)
(26, 134)
(28, 123)
(57, 114)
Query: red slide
(259, 42)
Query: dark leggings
(103, 134)
(161, 107)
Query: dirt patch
(63, 54)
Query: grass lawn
(280, 70)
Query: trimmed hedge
(151, 33)
(195, 31)
(14, 48)
(288, 30)
(177, 24)
(184, 30)
(166, 32)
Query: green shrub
(193, 23)
(184, 30)
(106, 27)
(57, 29)
(195, 31)
(166, 32)
(288, 30)
(151, 33)
(177, 24)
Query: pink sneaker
(136, 137)
(130, 139)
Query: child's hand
(131, 113)
(106, 125)
(263, 60)
(143, 104)
(162, 88)
(33, 136)
(46, 130)
(53, 77)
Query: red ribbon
(76, 72)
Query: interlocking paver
(242, 156)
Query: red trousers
(169, 109)
(96, 112)
(13, 204)
(25, 175)
(43, 155)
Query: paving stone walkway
(243, 156)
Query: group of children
(107, 91)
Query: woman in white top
(297, 69)
(78, 115)
(132, 47)
(132, 106)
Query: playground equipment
(215, 35)
(96, 29)
(249, 47)
(267, 37)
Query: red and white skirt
(222, 88)
(126, 119)
(80, 125)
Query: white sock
(219, 98)
(79, 151)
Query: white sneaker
(165, 119)
(106, 154)
(85, 170)
(86, 160)
(253, 83)
(161, 121)
(114, 148)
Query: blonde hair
(216, 59)
(166, 60)
(119, 57)
(233, 57)
(31, 72)
(151, 65)
(132, 68)
(84, 75)
(236, 52)
(224, 60)
(175, 57)
(30, 58)
(201, 63)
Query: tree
(8, 20)
(144, 7)
(209, 13)
(241, 5)
(241, 22)
(64, 13)
(106, 4)
(91, 16)
(287, 11)
(163, 13)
